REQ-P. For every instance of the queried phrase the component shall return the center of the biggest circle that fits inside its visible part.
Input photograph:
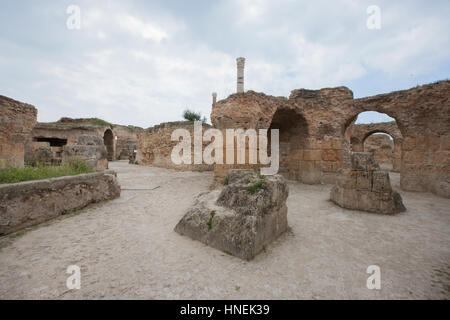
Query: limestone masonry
(313, 123)
(28, 203)
(365, 187)
(17, 119)
(241, 219)
(154, 146)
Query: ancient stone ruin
(90, 149)
(154, 146)
(241, 219)
(365, 187)
(17, 119)
(120, 141)
(314, 144)
(384, 139)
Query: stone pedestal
(365, 187)
(246, 215)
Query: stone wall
(67, 132)
(126, 141)
(90, 149)
(154, 146)
(359, 134)
(28, 203)
(17, 119)
(320, 149)
(365, 187)
(382, 147)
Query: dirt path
(127, 248)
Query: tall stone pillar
(240, 74)
(214, 95)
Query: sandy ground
(127, 249)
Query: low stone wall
(28, 203)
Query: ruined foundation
(365, 187)
(244, 217)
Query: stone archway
(108, 140)
(382, 147)
(293, 133)
(358, 133)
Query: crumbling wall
(422, 115)
(126, 141)
(311, 148)
(17, 119)
(154, 146)
(382, 147)
(90, 149)
(365, 187)
(360, 134)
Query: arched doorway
(293, 132)
(382, 147)
(108, 140)
(371, 131)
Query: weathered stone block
(364, 180)
(415, 157)
(331, 155)
(31, 202)
(409, 143)
(314, 155)
(346, 179)
(445, 143)
(372, 191)
(381, 182)
(249, 213)
(363, 161)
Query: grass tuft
(73, 167)
(255, 187)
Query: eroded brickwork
(388, 153)
(17, 119)
(422, 115)
(154, 146)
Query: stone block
(364, 180)
(381, 182)
(363, 161)
(314, 155)
(409, 143)
(242, 218)
(331, 155)
(415, 157)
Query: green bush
(73, 167)
(257, 186)
(193, 116)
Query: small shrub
(225, 181)
(255, 187)
(193, 116)
(212, 214)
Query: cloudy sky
(144, 62)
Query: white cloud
(140, 65)
(145, 30)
